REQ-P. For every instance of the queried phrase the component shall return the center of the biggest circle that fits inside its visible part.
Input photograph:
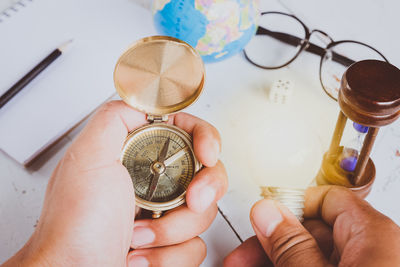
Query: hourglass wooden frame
(370, 96)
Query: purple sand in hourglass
(350, 153)
(349, 163)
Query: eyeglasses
(281, 37)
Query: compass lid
(159, 75)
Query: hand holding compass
(89, 207)
(89, 204)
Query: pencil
(18, 86)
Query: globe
(217, 29)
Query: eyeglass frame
(306, 45)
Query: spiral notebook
(77, 82)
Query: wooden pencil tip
(64, 45)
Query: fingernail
(206, 197)
(142, 236)
(266, 216)
(137, 261)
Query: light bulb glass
(275, 145)
(292, 153)
(292, 158)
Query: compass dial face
(160, 161)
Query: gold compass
(159, 76)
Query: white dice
(281, 91)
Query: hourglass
(370, 97)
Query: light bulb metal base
(292, 198)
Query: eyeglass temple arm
(312, 48)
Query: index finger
(352, 218)
(206, 139)
(331, 202)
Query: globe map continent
(216, 28)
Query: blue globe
(217, 29)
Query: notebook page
(77, 82)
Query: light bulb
(275, 146)
(291, 158)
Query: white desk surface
(374, 22)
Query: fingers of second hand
(283, 237)
(351, 214)
(322, 233)
(248, 254)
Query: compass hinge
(154, 118)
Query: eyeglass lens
(333, 68)
(280, 38)
(266, 48)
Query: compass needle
(153, 186)
(164, 151)
(158, 168)
(175, 156)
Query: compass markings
(144, 149)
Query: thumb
(284, 239)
